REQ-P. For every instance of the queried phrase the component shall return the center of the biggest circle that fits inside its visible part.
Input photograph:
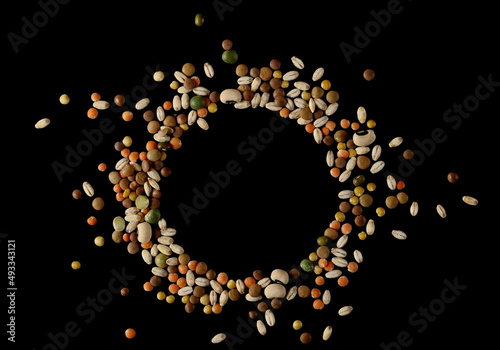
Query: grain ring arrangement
(353, 155)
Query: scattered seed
(345, 310)
(318, 74)
(399, 234)
(101, 104)
(391, 182)
(42, 123)
(395, 142)
(261, 327)
(470, 200)
(297, 62)
(218, 338)
(88, 189)
(441, 211)
(414, 209)
(327, 333)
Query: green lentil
(230, 56)
(306, 265)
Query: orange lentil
(322, 262)
(325, 131)
(310, 128)
(133, 157)
(284, 112)
(92, 220)
(117, 188)
(318, 304)
(352, 267)
(148, 287)
(335, 225)
(127, 116)
(192, 264)
(175, 143)
(167, 105)
(342, 153)
(207, 101)
(330, 125)
(400, 185)
(92, 113)
(173, 288)
(173, 277)
(315, 293)
(125, 152)
(196, 81)
(102, 167)
(95, 96)
(249, 281)
(343, 281)
(126, 237)
(182, 268)
(355, 126)
(143, 155)
(346, 228)
(181, 282)
(319, 280)
(151, 145)
(329, 267)
(344, 123)
(119, 197)
(222, 278)
(202, 112)
(335, 172)
(147, 245)
(130, 333)
(217, 308)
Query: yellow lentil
(285, 84)
(371, 186)
(313, 256)
(326, 84)
(306, 95)
(170, 299)
(371, 123)
(297, 324)
(380, 211)
(207, 309)
(362, 235)
(161, 295)
(359, 190)
(354, 200)
(277, 74)
(75, 265)
(339, 216)
(99, 241)
(127, 141)
(174, 85)
(64, 99)
(318, 270)
(212, 107)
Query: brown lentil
(408, 154)
(391, 202)
(452, 177)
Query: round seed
(452, 177)
(369, 74)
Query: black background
(427, 59)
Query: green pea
(230, 56)
(322, 240)
(199, 19)
(119, 223)
(142, 202)
(197, 102)
(153, 216)
(306, 265)
(161, 260)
